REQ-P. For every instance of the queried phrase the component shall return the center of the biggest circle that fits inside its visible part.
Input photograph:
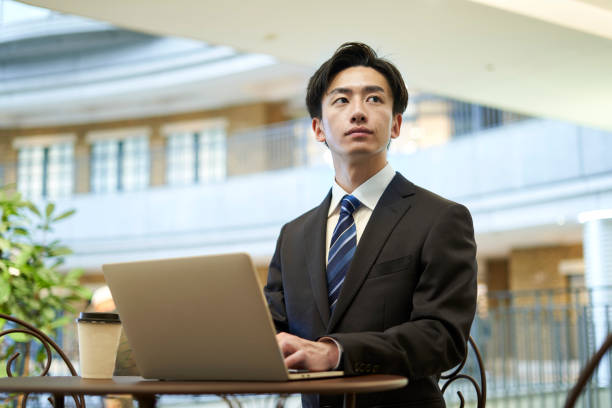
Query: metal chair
(587, 372)
(481, 390)
(48, 345)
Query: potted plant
(33, 286)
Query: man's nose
(358, 115)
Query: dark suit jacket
(408, 299)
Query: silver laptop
(199, 318)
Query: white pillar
(598, 278)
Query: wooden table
(145, 390)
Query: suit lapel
(315, 230)
(392, 205)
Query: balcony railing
(534, 344)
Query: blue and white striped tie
(341, 248)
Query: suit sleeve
(434, 338)
(274, 289)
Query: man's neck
(350, 176)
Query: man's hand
(305, 354)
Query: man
(381, 276)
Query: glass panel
(60, 170)
(104, 166)
(180, 168)
(212, 164)
(30, 171)
(135, 175)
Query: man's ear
(317, 128)
(396, 126)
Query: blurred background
(155, 119)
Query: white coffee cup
(98, 341)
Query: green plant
(33, 286)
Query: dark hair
(352, 54)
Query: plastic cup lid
(99, 317)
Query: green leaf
(62, 321)
(53, 301)
(74, 274)
(56, 262)
(41, 355)
(33, 304)
(60, 251)
(68, 308)
(24, 255)
(16, 195)
(32, 208)
(64, 215)
(49, 210)
(48, 313)
(20, 337)
(5, 290)
(5, 245)
(46, 278)
(84, 293)
(21, 231)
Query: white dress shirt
(367, 193)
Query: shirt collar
(368, 192)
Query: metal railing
(468, 118)
(534, 344)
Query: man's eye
(341, 100)
(374, 98)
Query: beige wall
(497, 277)
(538, 268)
(8, 158)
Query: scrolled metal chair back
(455, 375)
(587, 372)
(48, 344)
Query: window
(104, 166)
(119, 161)
(60, 170)
(45, 169)
(195, 155)
(468, 118)
(181, 158)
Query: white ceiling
(550, 58)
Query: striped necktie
(341, 248)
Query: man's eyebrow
(340, 90)
(374, 88)
(367, 88)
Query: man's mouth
(358, 130)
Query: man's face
(357, 118)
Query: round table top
(141, 386)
